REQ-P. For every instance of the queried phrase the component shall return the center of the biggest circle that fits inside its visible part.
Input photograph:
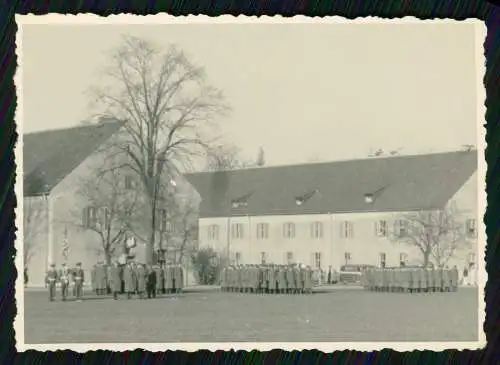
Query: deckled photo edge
(90, 19)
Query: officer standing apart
(64, 279)
(51, 281)
(78, 278)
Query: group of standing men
(272, 279)
(65, 277)
(406, 280)
(144, 281)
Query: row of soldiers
(136, 279)
(65, 276)
(277, 279)
(411, 279)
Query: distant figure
(25, 276)
(51, 281)
(465, 278)
(78, 279)
(329, 279)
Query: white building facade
(322, 238)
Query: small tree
(208, 265)
(34, 224)
(437, 234)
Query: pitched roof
(400, 183)
(49, 156)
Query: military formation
(131, 279)
(411, 280)
(66, 278)
(270, 279)
(136, 280)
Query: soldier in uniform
(290, 280)
(434, 279)
(151, 282)
(308, 284)
(414, 280)
(454, 278)
(179, 278)
(108, 277)
(78, 279)
(98, 278)
(281, 276)
(271, 279)
(93, 279)
(256, 280)
(141, 280)
(64, 274)
(128, 279)
(439, 279)
(115, 276)
(159, 279)
(168, 279)
(446, 283)
(51, 279)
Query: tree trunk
(108, 258)
(426, 258)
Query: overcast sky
(301, 91)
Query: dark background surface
(351, 9)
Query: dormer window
(239, 204)
(300, 200)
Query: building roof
(396, 184)
(50, 156)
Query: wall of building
(364, 247)
(35, 238)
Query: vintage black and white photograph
(236, 182)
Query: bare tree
(111, 204)
(225, 157)
(168, 108)
(437, 234)
(184, 231)
(34, 224)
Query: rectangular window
(381, 228)
(90, 217)
(317, 260)
(382, 259)
(317, 230)
(262, 231)
(289, 258)
(263, 258)
(403, 258)
(237, 230)
(401, 228)
(470, 227)
(289, 230)
(213, 232)
(346, 230)
(347, 257)
(237, 257)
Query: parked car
(351, 274)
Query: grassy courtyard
(340, 315)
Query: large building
(334, 213)
(54, 162)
